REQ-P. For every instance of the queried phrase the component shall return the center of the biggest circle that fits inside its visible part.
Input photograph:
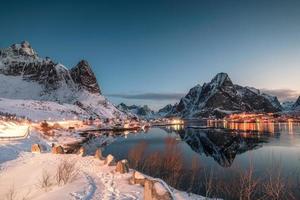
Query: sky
(153, 52)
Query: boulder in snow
(57, 150)
(82, 151)
(122, 167)
(98, 155)
(137, 178)
(110, 160)
(155, 190)
(36, 148)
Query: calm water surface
(219, 148)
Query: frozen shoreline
(22, 170)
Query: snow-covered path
(105, 183)
(95, 180)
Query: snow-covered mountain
(220, 97)
(26, 76)
(165, 111)
(287, 105)
(143, 112)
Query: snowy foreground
(22, 173)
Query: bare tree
(274, 186)
(195, 172)
(136, 155)
(208, 182)
(248, 183)
(66, 172)
(45, 181)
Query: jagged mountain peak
(20, 60)
(83, 64)
(221, 79)
(83, 75)
(24, 49)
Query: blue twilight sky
(152, 52)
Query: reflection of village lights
(176, 121)
(177, 127)
(290, 126)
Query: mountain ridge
(143, 112)
(220, 97)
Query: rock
(154, 190)
(36, 148)
(82, 151)
(57, 150)
(98, 155)
(137, 178)
(122, 167)
(110, 160)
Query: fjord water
(221, 149)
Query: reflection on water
(220, 145)
(222, 141)
(260, 127)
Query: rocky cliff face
(25, 75)
(84, 77)
(220, 97)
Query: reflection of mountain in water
(220, 144)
